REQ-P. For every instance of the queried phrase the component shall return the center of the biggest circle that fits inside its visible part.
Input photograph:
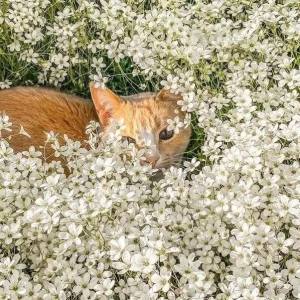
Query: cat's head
(145, 117)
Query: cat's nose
(152, 157)
(151, 162)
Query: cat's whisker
(195, 139)
(178, 154)
(167, 162)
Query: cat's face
(145, 118)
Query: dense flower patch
(226, 224)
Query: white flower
(138, 172)
(71, 236)
(281, 243)
(94, 45)
(7, 264)
(55, 290)
(98, 63)
(125, 265)
(84, 285)
(116, 247)
(10, 232)
(175, 124)
(15, 285)
(30, 56)
(144, 262)
(188, 267)
(105, 288)
(171, 83)
(161, 281)
(99, 80)
(5, 84)
(292, 79)
(61, 61)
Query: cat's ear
(105, 101)
(165, 95)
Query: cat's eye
(166, 134)
(128, 139)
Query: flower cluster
(226, 225)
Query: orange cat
(145, 115)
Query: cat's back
(41, 110)
(24, 101)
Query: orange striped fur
(41, 110)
